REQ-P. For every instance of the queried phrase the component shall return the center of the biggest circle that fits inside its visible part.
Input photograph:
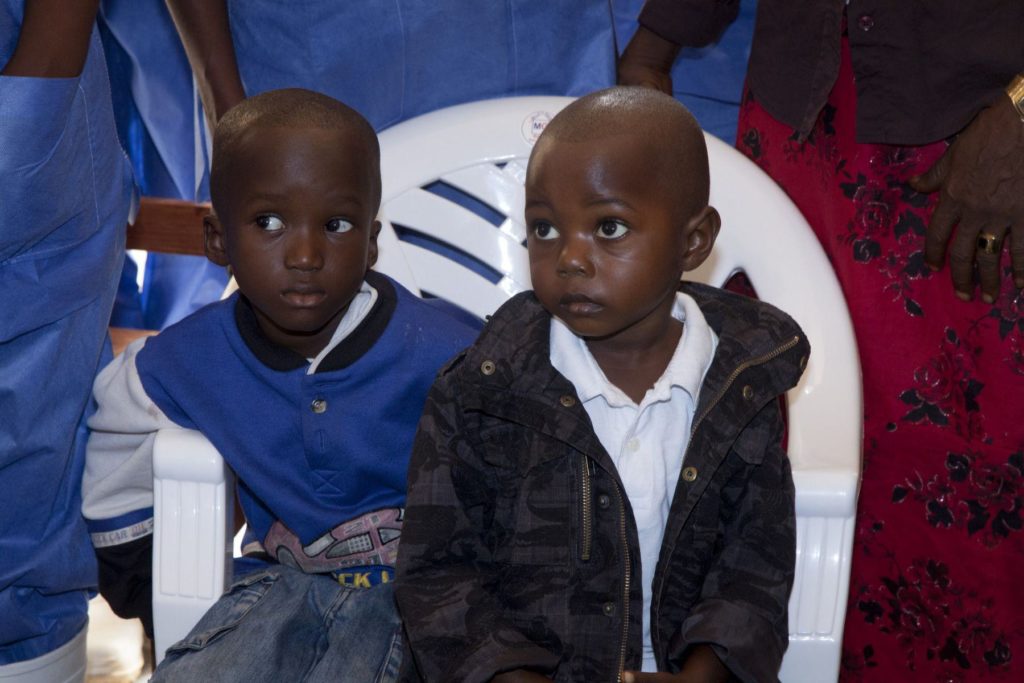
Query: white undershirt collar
(362, 304)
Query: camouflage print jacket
(519, 548)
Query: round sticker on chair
(534, 124)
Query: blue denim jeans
(281, 624)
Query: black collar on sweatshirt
(348, 351)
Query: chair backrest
(452, 215)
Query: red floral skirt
(937, 589)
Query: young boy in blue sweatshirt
(309, 381)
(598, 490)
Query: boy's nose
(303, 251)
(574, 258)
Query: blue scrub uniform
(389, 59)
(65, 199)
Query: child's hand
(702, 666)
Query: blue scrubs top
(65, 200)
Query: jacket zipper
(587, 504)
(778, 351)
(625, 584)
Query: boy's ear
(213, 240)
(371, 254)
(701, 232)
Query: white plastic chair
(480, 149)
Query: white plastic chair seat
(480, 150)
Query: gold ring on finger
(988, 243)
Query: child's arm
(117, 486)
(446, 585)
(743, 608)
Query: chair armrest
(193, 514)
(826, 501)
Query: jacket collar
(509, 363)
(517, 340)
(749, 332)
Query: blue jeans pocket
(228, 612)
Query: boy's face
(297, 226)
(609, 237)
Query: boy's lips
(303, 296)
(579, 304)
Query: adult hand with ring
(988, 256)
(980, 179)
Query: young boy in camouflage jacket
(598, 489)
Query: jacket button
(803, 363)
(689, 474)
(488, 367)
(866, 22)
(603, 501)
(748, 392)
(567, 401)
(609, 609)
(318, 405)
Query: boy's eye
(339, 225)
(612, 230)
(269, 223)
(544, 231)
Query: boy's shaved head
(289, 108)
(673, 139)
(616, 204)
